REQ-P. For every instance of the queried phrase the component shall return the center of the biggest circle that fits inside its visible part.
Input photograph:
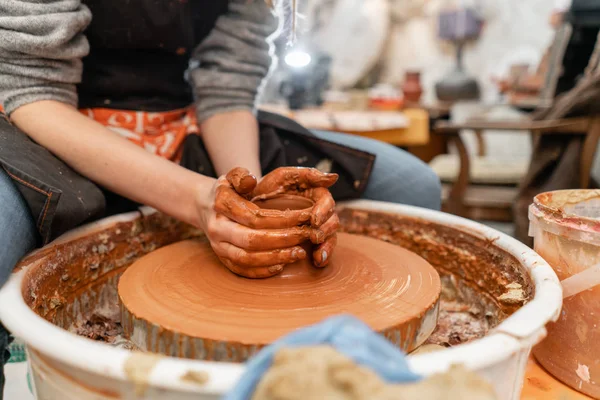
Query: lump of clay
(321, 372)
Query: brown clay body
(183, 302)
(242, 180)
(290, 205)
(286, 202)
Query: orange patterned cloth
(160, 133)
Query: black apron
(140, 50)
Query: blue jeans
(398, 177)
(17, 238)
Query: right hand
(307, 182)
(250, 241)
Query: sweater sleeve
(41, 47)
(228, 68)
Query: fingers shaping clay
(181, 301)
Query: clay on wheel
(181, 301)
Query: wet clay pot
(285, 202)
(297, 204)
(411, 87)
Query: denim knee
(420, 188)
(430, 189)
(18, 234)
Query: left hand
(306, 182)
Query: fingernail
(298, 254)
(324, 256)
(276, 268)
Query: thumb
(242, 180)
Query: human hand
(250, 241)
(312, 184)
(306, 182)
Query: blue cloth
(347, 335)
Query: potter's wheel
(180, 300)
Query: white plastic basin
(66, 366)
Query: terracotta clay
(180, 300)
(285, 202)
(307, 182)
(240, 198)
(324, 236)
(230, 204)
(285, 244)
(242, 180)
(286, 217)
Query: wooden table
(415, 133)
(540, 385)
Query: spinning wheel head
(180, 300)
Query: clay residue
(464, 314)
(138, 368)
(196, 377)
(98, 327)
(61, 276)
(458, 323)
(478, 263)
(514, 294)
(73, 284)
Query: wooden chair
(477, 199)
(494, 202)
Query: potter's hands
(307, 182)
(250, 241)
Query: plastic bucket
(565, 226)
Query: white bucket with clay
(498, 295)
(565, 225)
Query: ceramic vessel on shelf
(412, 87)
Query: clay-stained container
(565, 226)
(514, 289)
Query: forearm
(230, 67)
(111, 161)
(232, 140)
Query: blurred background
(418, 73)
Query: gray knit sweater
(42, 44)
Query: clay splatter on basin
(74, 285)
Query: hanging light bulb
(297, 59)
